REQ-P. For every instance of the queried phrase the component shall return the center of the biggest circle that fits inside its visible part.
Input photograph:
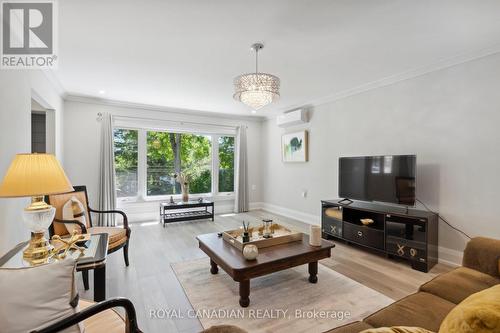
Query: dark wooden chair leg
(125, 253)
(85, 276)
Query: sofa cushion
(36, 297)
(478, 313)
(355, 327)
(224, 329)
(72, 210)
(397, 329)
(108, 321)
(421, 310)
(58, 201)
(458, 284)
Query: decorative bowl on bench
(366, 221)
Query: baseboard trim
(255, 206)
(446, 255)
(291, 213)
(449, 256)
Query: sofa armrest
(130, 322)
(483, 254)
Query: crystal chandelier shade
(256, 89)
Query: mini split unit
(292, 118)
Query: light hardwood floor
(151, 284)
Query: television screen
(378, 178)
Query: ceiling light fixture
(257, 89)
(102, 92)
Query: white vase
(185, 192)
(315, 235)
(250, 252)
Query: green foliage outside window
(168, 154)
(172, 153)
(126, 156)
(226, 164)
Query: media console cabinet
(410, 234)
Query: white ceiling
(185, 54)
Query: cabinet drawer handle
(360, 234)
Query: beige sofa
(429, 306)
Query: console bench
(411, 234)
(186, 211)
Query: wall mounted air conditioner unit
(292, 118)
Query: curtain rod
(175, 121)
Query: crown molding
(130, 105)
(54, 81)
(383, 82)
(393, 79)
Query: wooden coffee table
(270, 260)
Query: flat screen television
(378, 178)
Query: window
(147, 161)
(126, 158)
(387, 164)
(226, 164)
(169, 154)
(376, 164)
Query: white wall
(17, 87)
(82, 137)
(449, 118)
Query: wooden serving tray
(281, 235)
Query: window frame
(142, 165)
(217, 167)
(135, 197)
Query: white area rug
(281, 302)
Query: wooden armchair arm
(80, 224)
(130, 320)
(125, 219)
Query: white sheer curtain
(241, 182)
(107, 193)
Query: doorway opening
(42, 129)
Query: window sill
(152, 199)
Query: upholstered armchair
(119, 237)
(99, 318)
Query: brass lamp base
(39, 249)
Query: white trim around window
(173, 127)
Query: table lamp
(35, 175)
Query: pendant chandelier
(256, 89)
